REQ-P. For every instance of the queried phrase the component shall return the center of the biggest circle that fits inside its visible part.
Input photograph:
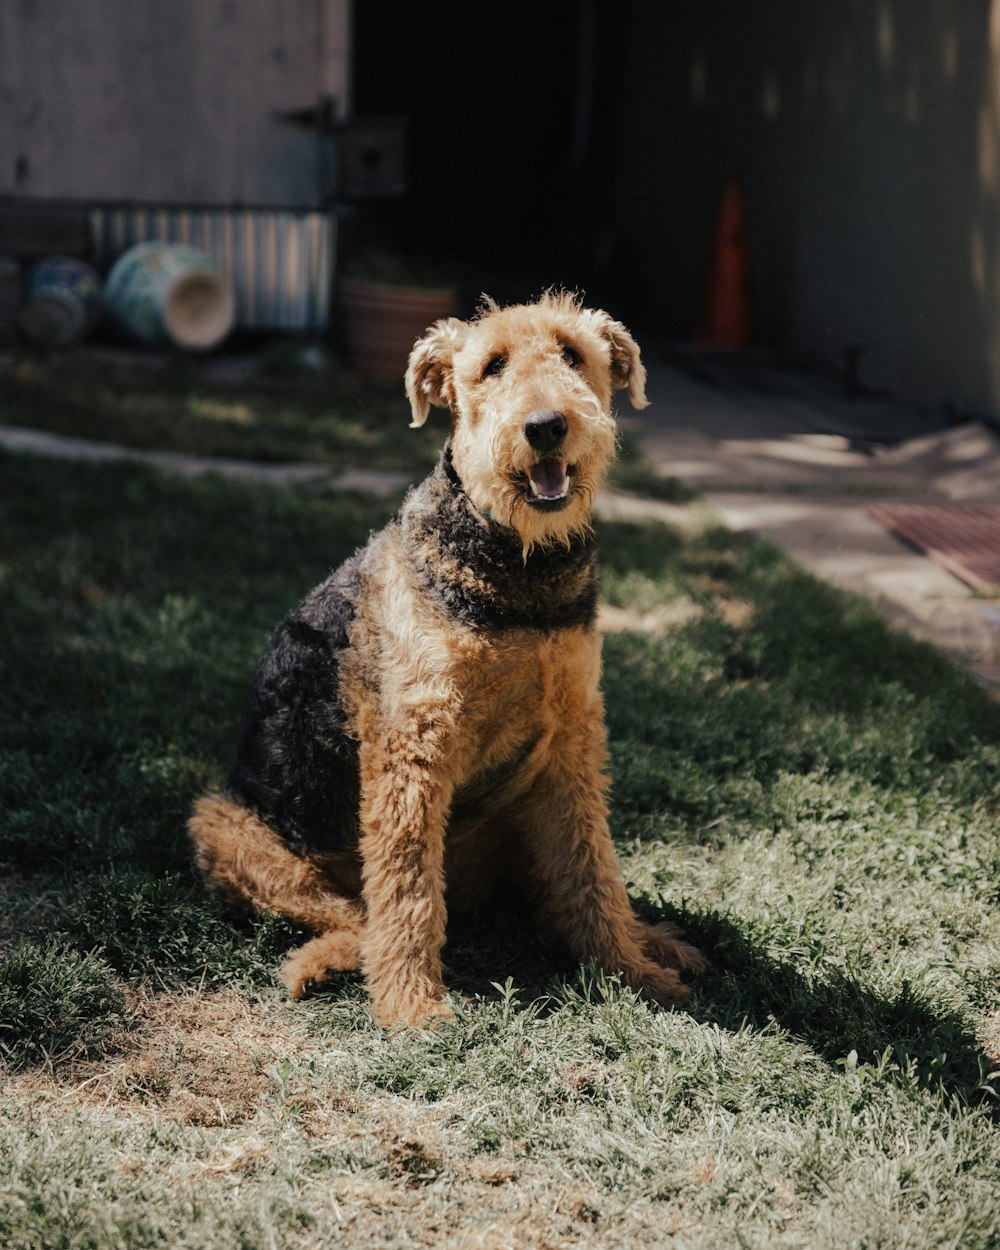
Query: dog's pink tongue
(549, 478)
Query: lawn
(286, 403)
(282, 405)
(812, 796)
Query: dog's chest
(517, 694)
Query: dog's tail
(243, 858)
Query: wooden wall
(168, 101)
(867, 133)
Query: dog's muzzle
(548, 479)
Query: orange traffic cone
(725, 320)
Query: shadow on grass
(167, 929)
(504, 941)
(832, 1013)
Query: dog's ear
(627, 370)
(428, 374)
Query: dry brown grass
(199, 1059)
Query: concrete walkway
(769, 464)
(61, 447)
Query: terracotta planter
(383, 322)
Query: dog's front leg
(405, 793)
(575, 864)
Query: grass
(814, 797)
(279, 410)
(290, 403)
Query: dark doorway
(511, 111)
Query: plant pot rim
(411, 289)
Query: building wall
(168, 101)
(867, 133)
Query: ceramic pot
(170, 294)
(62, 302)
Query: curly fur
(428, 722)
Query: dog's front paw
(661, 942)
(414, 1011)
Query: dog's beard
(545, 497)
(556, 513)
(551, 529)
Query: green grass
(55, 1001)
(279, 409)
(814, 797)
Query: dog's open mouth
(549, 483)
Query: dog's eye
(494, 366)
(571, 356)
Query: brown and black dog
(429, 722)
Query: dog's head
(529, 389)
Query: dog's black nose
(545, 429)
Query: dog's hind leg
(243, 857)
(318, 959)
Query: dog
(428, 723)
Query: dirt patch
(990, 1035)
(201, 1059)
(390, 1169)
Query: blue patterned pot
(61, 302)
(170, 294)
